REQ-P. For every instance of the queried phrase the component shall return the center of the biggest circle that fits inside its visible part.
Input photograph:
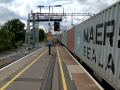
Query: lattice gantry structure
(32, 32)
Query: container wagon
(59, 36)
(97, 44)
(71, 39)
(64, 38)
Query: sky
(10, 9)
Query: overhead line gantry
(32, 33)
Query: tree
(17, 27)
(41, 35)
(7, 39)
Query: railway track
(7, 60)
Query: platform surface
(65, 75)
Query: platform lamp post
(49, 30)
(49, 23)
(41, 6)
(52, 12)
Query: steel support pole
(33, 30)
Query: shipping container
(97, 43)
(71, 39)
(64, 38)
(59, 36)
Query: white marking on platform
(75, 69)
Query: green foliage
(11, 33)
(17, 27)
(41, 35)
(7, 39)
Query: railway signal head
(56, 26)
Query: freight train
(96, 42)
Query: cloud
(6, 14)
(14, 9)
(20, 8)
(94, 6)
(83, 1)
(6, 1)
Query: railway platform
(41, 71)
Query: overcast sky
(20, 8)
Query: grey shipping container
(97, 43)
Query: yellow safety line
(62, 72)
(21, 72)
(101, 88)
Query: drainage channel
(48, 75)
(52, 82)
